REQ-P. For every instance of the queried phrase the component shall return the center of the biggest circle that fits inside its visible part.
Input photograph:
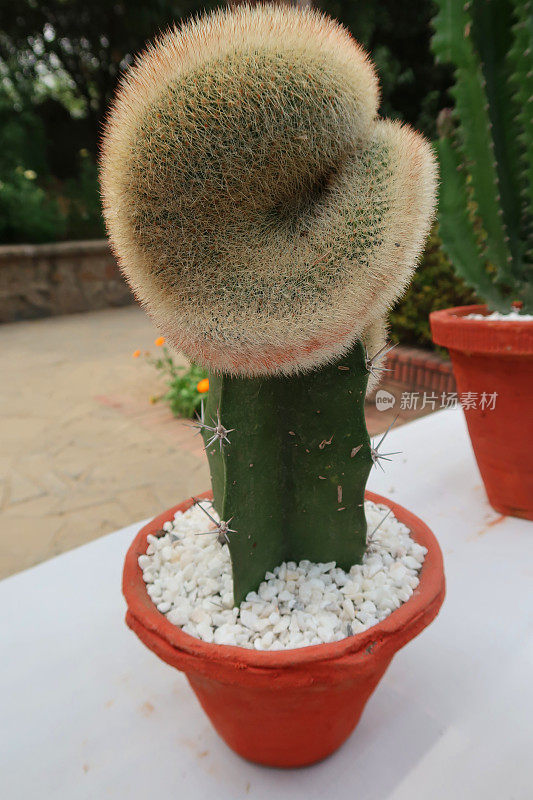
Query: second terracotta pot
(294, 707)
(493, 367)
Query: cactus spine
(486, 148)
(267, 220)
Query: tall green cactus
(291, 474)
(267, 219)
(486, 148)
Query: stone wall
(48, 279)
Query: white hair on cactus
(262, 213)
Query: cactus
(486, 147)
(267, 219)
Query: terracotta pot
(488, 357)
(294, 707)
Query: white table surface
(88, 712)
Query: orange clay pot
(294, 707)
(487, 357)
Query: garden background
(60, 61)
(86, 448)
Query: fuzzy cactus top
(261, 211)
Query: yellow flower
(202, 386)
(160, 341)
(136, 354)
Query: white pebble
(189, 579)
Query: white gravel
(189, 579)
(496, 315)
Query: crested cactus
(486, 147)
(267, 219)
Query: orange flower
(136, 354)
(160, 341)
(203, 386)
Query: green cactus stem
(292, 477)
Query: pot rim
(451, 329)
(402, 624)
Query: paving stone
(24, 543)
(22, 489)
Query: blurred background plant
(186, 384)
(60, 61)
(435, 285)
(485, 147)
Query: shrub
(435, 285)
(183, 395)
(82, 201)
(27, 213)
(413, 86)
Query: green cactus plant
(485, 147)
(267, 219)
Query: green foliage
(34, 205)
(435, 285)
(60, 61)
(84, 47)
(35, 208)
(414, 87)
(182, 395)
(80, 48)
(82, 200)
(27, 214)
(22, 138)
(485, 149)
